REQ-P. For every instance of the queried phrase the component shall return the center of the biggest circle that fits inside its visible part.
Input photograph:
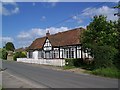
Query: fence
(55, 62)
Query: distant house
(21, 49)
(58, 46)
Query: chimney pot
(47, 34)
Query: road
(48, 78)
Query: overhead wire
(70, 17)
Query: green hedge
(19, 55)
(74, 62)
(104, 56)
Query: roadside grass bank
(111, 72)
(68, 67)
(90, 68)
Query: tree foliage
(103, 56)
(3, 54)
(100, 32)
(102, 38)
(19, 55)
(10, 46)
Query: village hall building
(57, 47)
(53, 49)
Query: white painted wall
(35, 54)
(27, 55)
(55, 62)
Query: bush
(104, 56)
(19, 55)
(116, 61)
(73, 62)
(3, 54)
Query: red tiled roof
(70, 37)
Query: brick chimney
(47, 34)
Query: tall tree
(100, 32)
(9, 46)
(117, 62)
(101, 37)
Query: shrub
(3, 54)
(19, 55)
(116, 60)
(73, 62)
(104, 56)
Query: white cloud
(54, 30)
(43, 18)
(16, 10)
(81, 26)
(33, 4)
(104, 10)
(6, 11)
(49, 4)
(38, 32)
(77, 18)
(6, 39)
(25, 38)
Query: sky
(23, 22)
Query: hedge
(74, 62)
(19, 55)
(104, 56)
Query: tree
(10, 46)
(3, 54)
(101, 37)
(117, 59)
(100, 32)
(19, 55)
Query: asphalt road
(57, 79)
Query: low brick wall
(55, 62)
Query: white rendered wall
(35, 54)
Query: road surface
(48, 78)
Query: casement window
(61, 53)
(48, 54)
(88, 53)
(30, 54)
(40, 54)
(56, 53)
(67, 53)
(72, 53)
(79, 52)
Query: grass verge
(68, 67)
(107, 72)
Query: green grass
(107, 72)
(68, 67)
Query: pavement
(11, 81)
(41, 77)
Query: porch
(54, 62)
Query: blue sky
(24, 21)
